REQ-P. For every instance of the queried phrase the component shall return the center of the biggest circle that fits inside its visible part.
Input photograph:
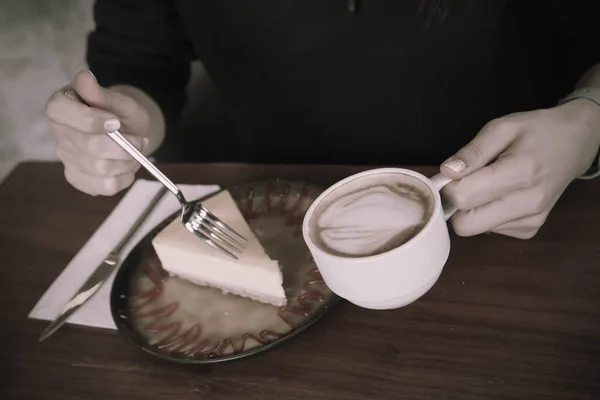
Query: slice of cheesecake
(254, 275)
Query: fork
(194, 215)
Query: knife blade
(110, 263)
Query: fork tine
(209, 241)
(200, 218)
(225, 236)
(214, 227)
(220, 223)
(213, 232)
(215, 235)
(205, 219)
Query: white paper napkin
(96, 312)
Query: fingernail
(111, 125)
(456, 165)
(88, 71)
(145, 144)
(111, 185)
(102, 166)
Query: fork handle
(135, 153)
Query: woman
(359, 82)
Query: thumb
(93, 94)
(489, 143)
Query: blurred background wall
(41, 46)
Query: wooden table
(508, 319)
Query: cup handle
(439, 181)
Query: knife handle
(133, 228)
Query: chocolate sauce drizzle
(189, 342)
(294, 213)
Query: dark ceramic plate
(179, 321)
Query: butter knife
(102, 272)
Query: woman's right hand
(95, 164)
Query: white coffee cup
(399, 276)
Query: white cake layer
(254, 275)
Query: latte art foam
(371, 215)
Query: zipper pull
(353, 6)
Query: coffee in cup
(371, 214)
(379, 238)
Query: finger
(518, 233)
(62, 110)
(89, 89)
(523, 228)
(94, 185)
(508, 174)
(490, 216)
(99, 145)
(489, 143)
(99, 167)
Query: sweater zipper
(353, 6)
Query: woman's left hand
(513, 172)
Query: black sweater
(309, 81)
